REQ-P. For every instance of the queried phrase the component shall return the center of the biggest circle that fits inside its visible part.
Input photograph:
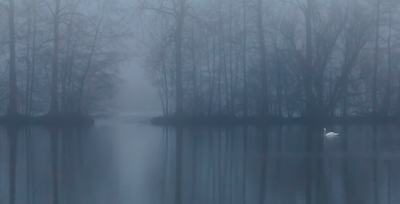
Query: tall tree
(263, 59)
(307, 66)
(245, 94)
(89, 62)
(376, 58)
(12, 89)
(54, 70)
(180, 18)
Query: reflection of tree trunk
(309, 164)
(211, 165)
(232, 156)
(322, 195)
(219, 172)
(278, 160)
(31, 163)
(12, 143)
(66, 165)
(264, 149)
(245, 133)
(80, 146)
(27, 163)
(345, 178)
(166, 129)
(54, 162)
(179, 152)
(344, 139)
(376, 151)
(389, 179)
(194, 169)
(280, 135)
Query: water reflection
(12, 144)
(143, 164)
(285, 165)
(45, 166)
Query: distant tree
(12, 92)
(178, 11)
(54, 71)
(263, 59)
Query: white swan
(330, 134)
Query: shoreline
(226, 120)
(61, 119)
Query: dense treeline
(313, 58)
(59, 56)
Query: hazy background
(135, 92)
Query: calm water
(129, 161)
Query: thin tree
(12, 89)
(54, 71)
(245, 99)
(376, 58)
(263, 59)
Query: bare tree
(12, 92)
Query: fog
(199, 101)
(135, 92)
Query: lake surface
(126, 160)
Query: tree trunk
(194, 81)
(308, 70)
(28, 63)
(263, 61)
(12, 89)
(374, 88)
(89, 63)
(65, 69)
(245, 100)
(54, 71)
(220, 58)
(211, 99)
(178, 57)
(165, 81)
(12, 144)
(232, 103)
(33, 60)
(388, 86)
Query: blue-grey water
(126, 160)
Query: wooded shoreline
(228, 120)
(60, 119)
